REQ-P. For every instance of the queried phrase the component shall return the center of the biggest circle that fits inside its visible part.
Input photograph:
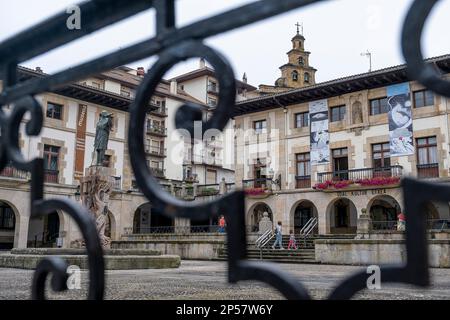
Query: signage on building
(400, 120)
(320, 138)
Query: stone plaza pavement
(207, 280)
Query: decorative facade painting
(320, 138)
(400, 120)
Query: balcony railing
(213, 88)
(208, 190)
(12, 172)
(391, 225)
(425, 171)
(51, 176)
(157, 172)
(191, 178)
(157, 130)
(159, 110)
(303, 182)
(156, 151)
(356, 174)
(256, 183)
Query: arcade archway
(342, 216)
(256, 213)
(7, 225)
(383, 212)
(302, 212)
(148, 220)
(43, 231)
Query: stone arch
(9, 225)
(146, 220)
(110, 230)
(383, 211)
(255, 213)
(341, 216)
(301, 212)
(43, 231)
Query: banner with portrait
(319, 135)
(400, 120)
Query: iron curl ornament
(173, 45)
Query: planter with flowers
(257, 193)
(330, 185)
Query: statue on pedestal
(97, 183)
(103, 128)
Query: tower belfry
(297, 73)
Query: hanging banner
(318, 119)
(400, 120)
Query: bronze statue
(104, 126)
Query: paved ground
(207, 280)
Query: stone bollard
(364, 225)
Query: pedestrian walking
(292, 241)
(278, 236)
(222, 224)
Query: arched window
(301, 61)
(306, 77)
(294, 75)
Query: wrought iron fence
(173, 45)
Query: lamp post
(77, 194)
(368, 54)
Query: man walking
(278, 236)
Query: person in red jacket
(222, 224)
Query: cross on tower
(298, 25)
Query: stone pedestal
(363, 226)
(95, 189)
(265, 223)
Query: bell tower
(297, 73)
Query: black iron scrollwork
(174, 45)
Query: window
(303, 165)
(337, 113)
(301, 119)
(306, 77)
(340, 164)
(260, 126)
(212, 86)
(97, 85)
(427, 158)
(54, 110)
(423, 98)
(427, 151)
(124, 91)
(51, 161)
(212, 102)
(301, 61)
(378, 106)
(381, 156)
(7, 218)
(294, 75)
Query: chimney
(202, 63)
(244, 77)
(38, 69)
(173, 87)
(140, 71)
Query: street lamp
(368, 54)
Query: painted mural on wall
(320, 138)
(400, 120)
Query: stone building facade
(274, 152)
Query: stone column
(183, 189)
(21, 232)
(364, 225)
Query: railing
(384, 225)
(391, 225)
(51, 176)
(152, 230)
(12, 172)
(308, 229)
(157, 172)
(256, 183)
(191, 178)
(45, 238)
(157, 151)
(117, 184)
(425, 171)
(303, 182)
(356, 174)
(158, 130)
(208, 190)
(213, 89)
(438, 224)
(263, 240)
(160, 110)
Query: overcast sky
(336, 33)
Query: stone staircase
(305, 252)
